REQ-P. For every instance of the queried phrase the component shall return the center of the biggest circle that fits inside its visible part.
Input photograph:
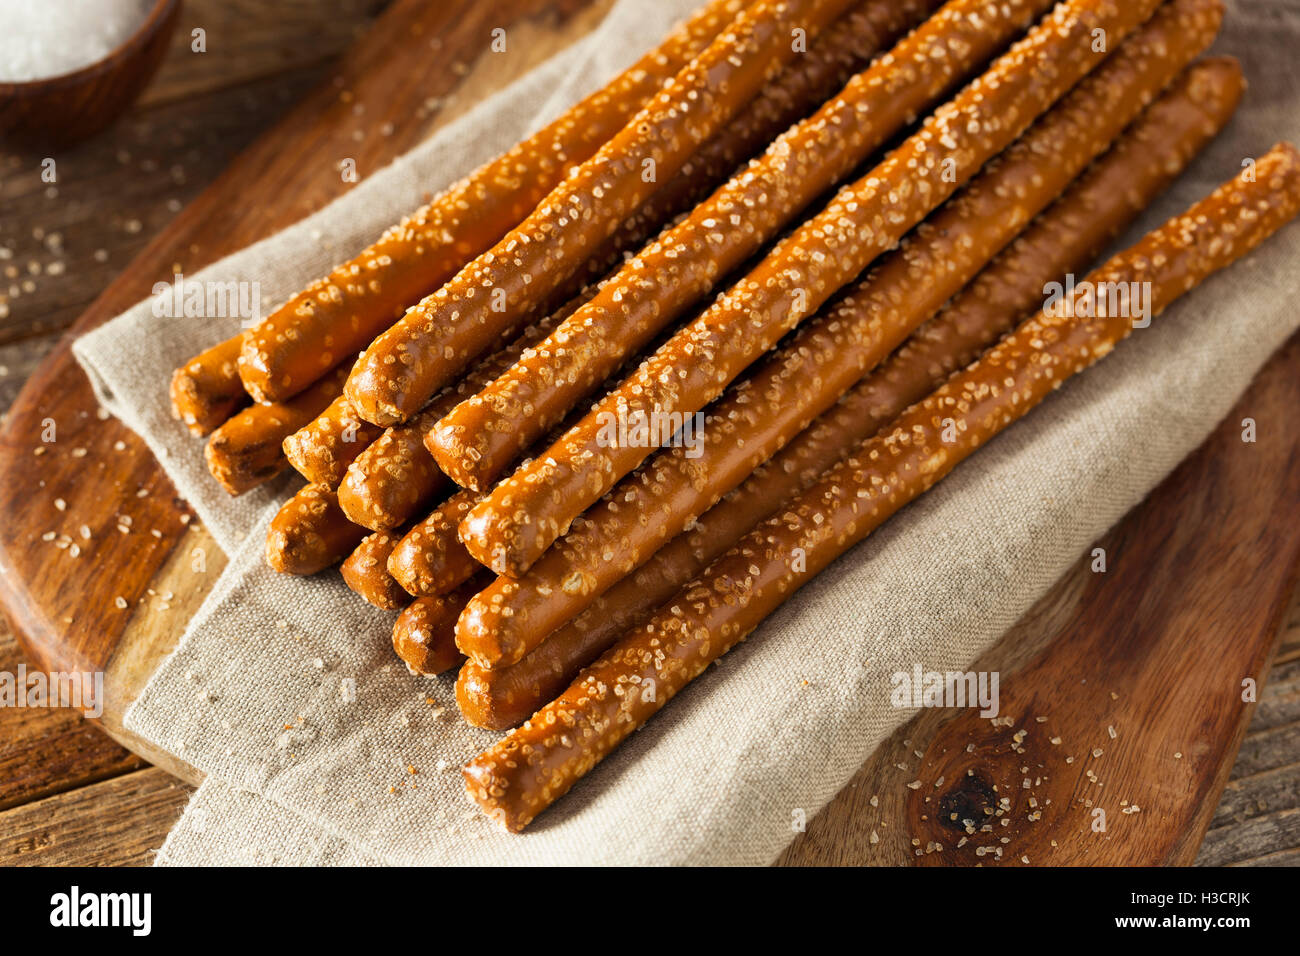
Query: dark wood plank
(44, 751)
(1255, 794)
(1266, 776)
(249, 40)
(18, 360)
(1289, 650)
(62, 243)
(119, 822)
(1267, 840)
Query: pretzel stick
(338, 315)
(536, 764)
(1064, 239)
(525, 513)
(206, 390)
(384, 476)
(365, 571)
(825, 358)
(248, 449)
(477, 441)
(437, 338)
(394, 477)
(424, 635)
(430, 559)
(322, 450)
(310, 533)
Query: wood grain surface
(67, 793)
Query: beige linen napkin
(286, 693)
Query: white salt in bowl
(77, 101)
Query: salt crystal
(42, 39)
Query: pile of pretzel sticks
(717, 233)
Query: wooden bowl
(61, 110)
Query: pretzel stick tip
(424, 635)
(429, 560)
(322, 450)
(248, 450)
(206, 390)
(310, 533)
(365, 571)
(396, 477)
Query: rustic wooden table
(68, 794)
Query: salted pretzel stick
(310, 533)
(206, 390)
(430, 559)
(1064, 239)
(248, 449)
(437, 338)
(824, 359)
(511, 528)
(536, 764)
(397, 476)
(365, 571)
(478, 440)
(340, 314)
(394, 477)
(322, 450)
(424, 635)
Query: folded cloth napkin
(319, 746)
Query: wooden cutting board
(1198, 575)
